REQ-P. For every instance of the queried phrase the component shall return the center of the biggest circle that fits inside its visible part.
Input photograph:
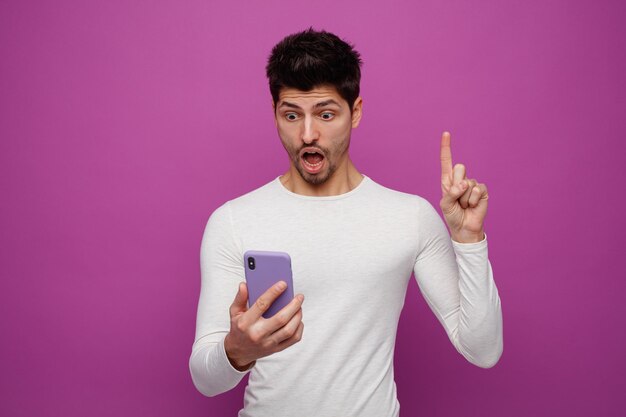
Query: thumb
(455, 192)
(239, 305)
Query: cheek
(284, 134)
(339, 134)
(287, 130)
(287, 139)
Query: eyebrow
(317, 105)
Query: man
(353, 245)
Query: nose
(311, 133)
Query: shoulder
(413, 203)
(258, 197)
(255, 200)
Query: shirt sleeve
(221, 272)
(456, 281)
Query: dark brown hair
(310, 59)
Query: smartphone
(264, 269)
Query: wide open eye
(291, 116)
(327, 115)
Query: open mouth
(312, 160)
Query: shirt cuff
(470, 247)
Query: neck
(345, 179)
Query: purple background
(123, 125)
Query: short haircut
(310, 59)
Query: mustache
(319, 149)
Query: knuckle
(255, 337)
(270, 344)
(289, 333)
(282, 319)
(240, 326)
(261, 304)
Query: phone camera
(251, 263)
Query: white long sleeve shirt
(352, 257)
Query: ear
(357, 111)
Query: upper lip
(311, 149)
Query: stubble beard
(329, 161)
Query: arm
(221, 272)
(230, 337)
(456, 281)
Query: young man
(353, 243)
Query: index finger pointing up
(446, 155)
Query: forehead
(309, 98)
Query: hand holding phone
(263, 269)
(251, 335)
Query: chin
(314, 179)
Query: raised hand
(463, 201)
(251, 336)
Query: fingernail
(300, 297)
(281, 285)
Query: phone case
(269, 268)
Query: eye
(327, 115)
(291, 116)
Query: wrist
(235, 363)
(468, 237)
